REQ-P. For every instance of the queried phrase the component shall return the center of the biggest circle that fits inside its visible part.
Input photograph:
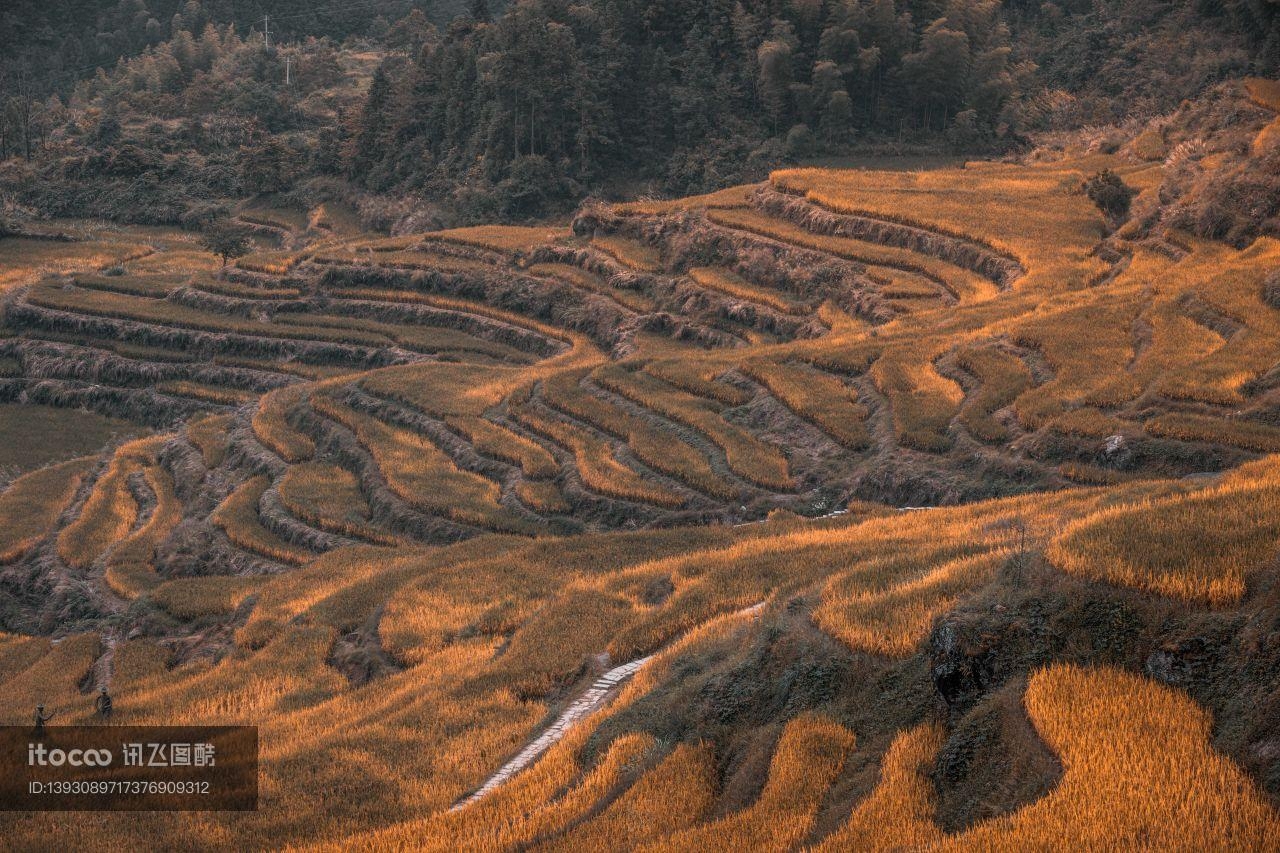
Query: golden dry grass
(234, 289)
(732, 284)
(1149, 145)
(500, 238)
(131, 566)
(1267, 139)
(159, 312)
(922, 400)
(329, 498)
(209, 435)
(492, 632)
(1265, 93)
(960, 282)
(748, 456)
(1251, 435)
(545, 498)
(155, 286)
(1002, 378)
(110, 511)
(501, 443)
(237, 516)
(898, 814)
(596, 462)
(217, 394)
(630, 253)
(672, 797)
(39, 671)
(660, 449)
(817, 397)
(468, 306)
(423, 475)
(809, 755)
(183, 261)
(391, 757)
(271, 263)
(1034, 214)
(1106, 322)
(893, 620)
(271, 424)
(721, 199)
(1199, 547)
(1087, 422)
(193, 598)
(24, 260)
(1139, 773)
(1228, 283)
(405, 259)
(427, 339)
(592, 283)
(1094, 475)
(264, 212)
(31, 504)
(700, 377)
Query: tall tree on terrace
(595, 78)
(938, 72)
(373, 127)
(774, 56)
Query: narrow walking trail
(592, 699)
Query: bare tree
(23, 110)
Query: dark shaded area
(35, 436)
(739, 693)
(993, 762)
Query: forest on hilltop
(478, 111)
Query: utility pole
(266, 31)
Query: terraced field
(421, 491)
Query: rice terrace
(632, 425)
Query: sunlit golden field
(894, 474)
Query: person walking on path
(103, 704)
(41, 719)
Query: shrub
(1112, 195)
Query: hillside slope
(999, 475)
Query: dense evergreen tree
(515, 109)
(672, 90)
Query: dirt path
(601, 691)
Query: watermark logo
(39, 755)
(128, 768)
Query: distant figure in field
(103, 704)
(41, 719)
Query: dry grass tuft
(1199, 547)
(810, 754)
(898, 814)
(29, 507)
(238, 518)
